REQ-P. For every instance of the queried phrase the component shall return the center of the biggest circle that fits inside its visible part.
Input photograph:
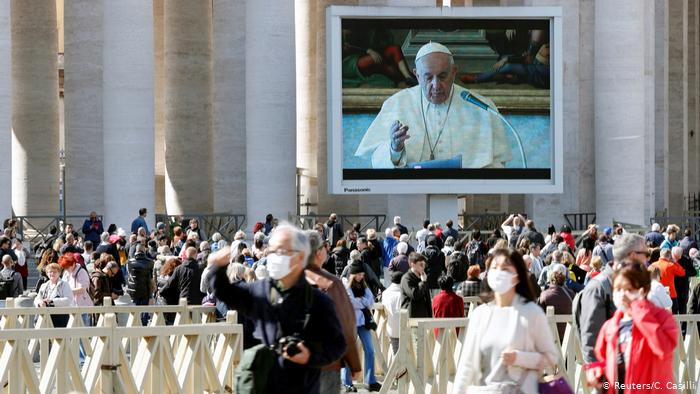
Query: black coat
(435, 265)
(184, 283)
(322, 334)
(415, 296)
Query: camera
(289, 343)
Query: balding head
(7, 261)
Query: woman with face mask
(362, 301)
(509, 341)
(636, 345)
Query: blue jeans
(536, 74)
(368, 347)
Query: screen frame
(338, 185)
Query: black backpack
(6, 285)
(475, 253)
(457, 266)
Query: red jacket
(654, 339)
(447, 304)
(569, 239)
(669, 271)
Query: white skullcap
(432, 47)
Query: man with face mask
(594, 305)
(432, 121)
(282, 306)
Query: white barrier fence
(191, 356)
(197, 356)
(430, 366)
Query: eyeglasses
(283, 252)
(644, 252)
(630, 264)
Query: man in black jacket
(435, 261)
(140, 284)
(282, 305)
(415, 294)
(185, 280)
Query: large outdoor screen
(444, 100)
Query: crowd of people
(306, 297)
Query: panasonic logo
(359, 190)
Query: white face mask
(500, 281)
(278, 266)
(617, 300)
(618, 295)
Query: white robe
(472, 132)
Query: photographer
(54, 292)
(362, 300)
(299, 322)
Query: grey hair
(677, 252)
(299, 239)
(315, 242)
(7, 260)
(235, 272)
(402, 247)
(104, 237)
(404, 238)
(625, 245)
(216, 237)
(355, 255)
(665, 253)
(655, 227)
(397, 219)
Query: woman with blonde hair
(54, 293)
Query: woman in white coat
(508, 341)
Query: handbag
(554, 383)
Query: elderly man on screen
(431, 125)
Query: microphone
(470, 98)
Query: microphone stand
(470, 98)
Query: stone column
(621, 76)
(5, 110)
(159, 93)
(270, 109)
(228, 107)
(677, 159)
(83, 107)
(661, 111)
(128, 117)
(695, 91)
(692, 110)
(35, 174)
(326, 203)
(188, 186)
(306, 23)
(579, 177)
